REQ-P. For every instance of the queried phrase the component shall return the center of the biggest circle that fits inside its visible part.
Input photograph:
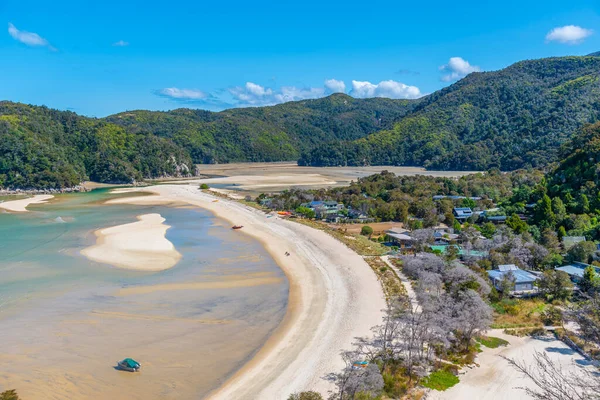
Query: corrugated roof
(400, 236)
(507, 267)
(521, 276)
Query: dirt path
(412, 296)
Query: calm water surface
(65, 320)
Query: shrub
(306, 396)
(366, 230)
(204, 186)
(9, 395)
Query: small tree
(507, 284)
(581, 252)
(590, 281)
(556, 285)
(204, 186)
(305, 212)
(366, 230)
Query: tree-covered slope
(512, 118)
(276, 133)
(44, 148)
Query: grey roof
(400, 236)
(520, 275)
(576, 269)
(570, 241)
(463, 212)
(507, 267)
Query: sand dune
(334, 297)
(140, 245)
(21, 205)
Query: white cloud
(182, 94)
(569, 34)
(121, 43)
(458, 68)
(390, 89)
(334, 86)
(28, 38)
(253, 94)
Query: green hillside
(277, 133)
(512, 118)
(44, 148)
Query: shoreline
(20, 206)
(328, 285)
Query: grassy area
(440, 380)
(512, 313)
(392, 287)
(360, 244)
(492, 342)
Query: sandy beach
(140, 245)
(21, 204)
(334, 297)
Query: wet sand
(334, 297)
(140, 245)
(21, 205)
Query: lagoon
(65, 320)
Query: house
(324, 208)
(570, 241)
(402, 240)
(443, 238)
(575, 270)
(462, 253)
(442, 228)
(524, 280)
(462, 213)
(493, 215)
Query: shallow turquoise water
(57, 308)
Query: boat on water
(237, 227)
(129, 364)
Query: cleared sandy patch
(140, 245)
(495, 379)
(334, 297)
(21, 205)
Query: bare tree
(353, 380)
(553, 383)
(467, 314)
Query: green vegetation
(440, 380)
(204, 186)
(305, 396)
(509, 119)
(492, 342)
(366, 230)
(9, 395)
(44, 148)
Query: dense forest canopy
(44, 148)
(514, 118)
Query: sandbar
(21, 204)
(140, 245)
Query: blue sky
(103, 57)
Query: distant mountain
(276, 133)
(512, 118)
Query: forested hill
(42, 148)
(512, 118)
(276, 133)
(45, 148)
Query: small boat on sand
(129, 364)
(237, 227)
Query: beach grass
(492, 342)
(440, 380)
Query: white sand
(497, 380)
(21, 205)
(140, 245)
(334, 297)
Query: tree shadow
(561, 350)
